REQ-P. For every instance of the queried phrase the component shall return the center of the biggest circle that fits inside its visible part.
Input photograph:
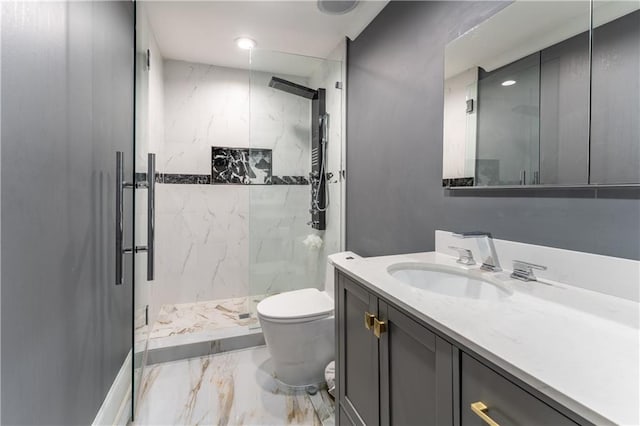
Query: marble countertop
(578, 347)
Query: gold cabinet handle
(480, 409)
(368, 320)
(379, 327)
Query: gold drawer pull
(379, 327)
(480, 409)
(368, 320)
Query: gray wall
(394, 154)
(67, 106)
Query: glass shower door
(295, 157)
(144, 203)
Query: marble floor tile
(230, 388)
(324, 407)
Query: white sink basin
(446, 281)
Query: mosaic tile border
(451, 182)
(193, 179)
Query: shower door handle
(151, 216)
(121, 185)
(119, 215)
(150, 185)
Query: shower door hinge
(146, 315)
(338, 85)
(148, 59)
(343, 174)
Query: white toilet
(298, 327)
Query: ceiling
(204, 31)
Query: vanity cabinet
(393, 370)
(358, 377)
(509, 403)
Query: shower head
(293, 88)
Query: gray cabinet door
(357, 355)
(506, 403)
(416, 383)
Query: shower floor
(230, 388)
(178, 324)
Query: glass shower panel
(295, 139)
(141, 289)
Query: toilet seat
(296, 306)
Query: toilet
(299, 330)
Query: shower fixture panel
(318, 176)
(319, 126)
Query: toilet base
(311, 389)
(300, 351)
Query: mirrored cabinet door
(615, 93)
(524, 119)
(545, 93)
(564, 112)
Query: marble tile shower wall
(202, 233)
(327, 76)
(209, 237)
(207, 105)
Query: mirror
(615, 93)
(521, 103)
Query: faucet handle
(465, 256)
(524, 270)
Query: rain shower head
(293, 88)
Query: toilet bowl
(298, 328)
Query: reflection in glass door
(508, 147)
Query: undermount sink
(446, 281)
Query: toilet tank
(329, 279)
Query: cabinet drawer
(506, 403)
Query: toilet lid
(298, 304)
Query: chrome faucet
(465, 256)
(490, 262)
(523, 271)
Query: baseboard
(116, 407)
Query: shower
(319, 127)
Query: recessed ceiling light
(336, 7)
(508, 83)
(245, 43)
